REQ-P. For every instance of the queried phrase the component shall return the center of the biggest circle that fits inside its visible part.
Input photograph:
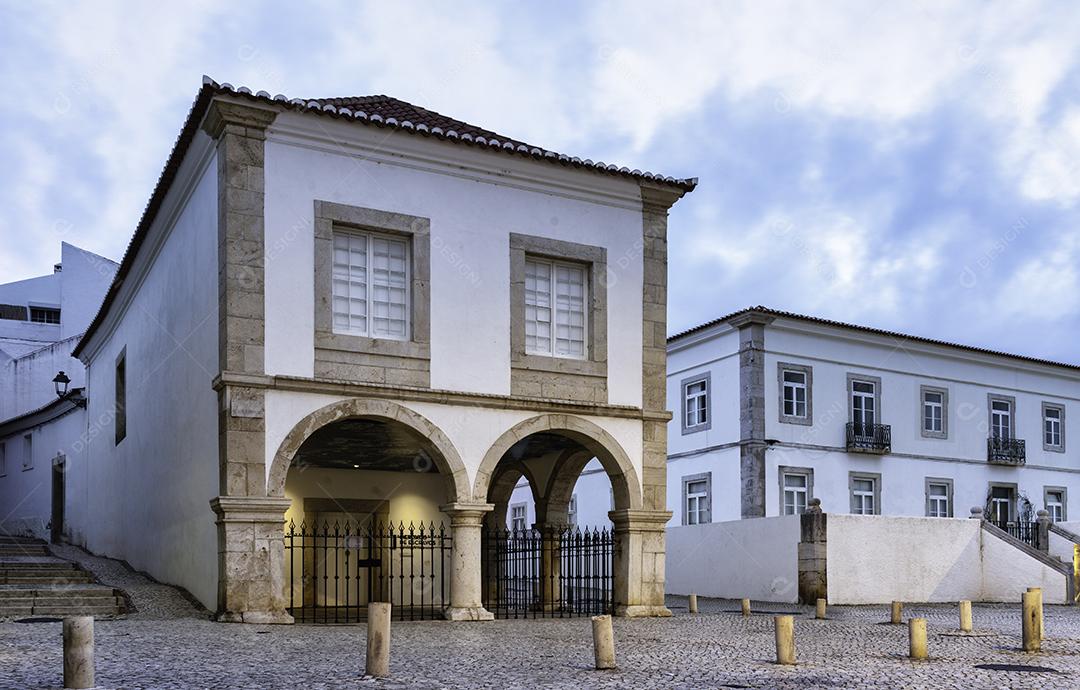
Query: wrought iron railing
(335, 570)
(551, 573)
(1006, 451)
(1025, 531)
(869, 438)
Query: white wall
(877, 559)
(756, 559)
(472, 214)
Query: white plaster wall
(26, 382)
(18, 338)
(1062, 548)
(83, 283)
(877, 559)
(147, 500)
(719, 357)
(723, 465)
(757, 559)
(472, 215)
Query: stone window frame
(120, 379)
(686, 481)
(1011, 399)
(808, 472)
(876, 477)
(944, 392)
(950, 506)
(595, 260)
(781, 367)
(1042, 427)
(1015, 487)
(876, 380)
(686, 382)
(330, 215)
(1064, 491)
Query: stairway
(35, 583)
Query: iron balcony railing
(1005, 451)
(869, 438)
(1027, 532)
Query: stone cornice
(222, 113)
(642, 520)
(751, 318)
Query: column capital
(640, 520)
(249, 508)
(221, 114)
(464, 514)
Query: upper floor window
(794, 394)
(1001, 418)
(28, 452)
(1054, 500)
(864, 401)
(1053, 427)
(697, 499)
(120, 397)
(371, 285)
(934, 410)
(44, 315)
(696, 414)
(555, 308)
(518, 517)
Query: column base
(255, 617)
(471, 613)
(643, 611)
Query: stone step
(79, 590)
(35, 568)
(15, 611)
(43, 580)
(6, 552)
(113, 601)
(109, 610)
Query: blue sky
(912, 166)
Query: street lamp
(60, 384)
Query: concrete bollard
(785, 639)
(377, 664)
(917, 638)
(79, 652)
(819, 613)
(965, 616)
(603, 638)
(693, 603)
(1032, 637)
(897, 613)
(1039, 610)
(746, 607)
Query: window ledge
(559, 365)
(802, 421)
(378, 346)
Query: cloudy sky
(912, 166)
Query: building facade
(360, 320)
(771, 409)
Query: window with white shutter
(371, 285)
(555, 318)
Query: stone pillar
(813, 583)
(1042, 524)
(551, 562)
(466, 524)
(639, 562)
(752, 444)
(251, 559)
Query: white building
(41, 321)
(772, 408)
(341, 313)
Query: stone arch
(502, 487)
(560, 486)
(445, 455)
(597, 441)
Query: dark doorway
(56, 522)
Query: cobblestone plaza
(168, 643)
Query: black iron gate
(553, 573)
(336, 569)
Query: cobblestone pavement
(715, 649)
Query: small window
(795, 385)
(1055, 503)
(120, 397)
(3, 459)
(1001, 418)
(865, 494)
(571, 512)
(697, 499)
(555, 308)
(794, 394)
(371, 285)
(518, 517)
(863, 404)
(696, 414)
(939, 497)
(44, 315)
(28, 452)
(933, 411)
(796, 489)
(1053, 428)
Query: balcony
(869, 438)
(1005, 451)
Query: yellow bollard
(746, 607)
(917, 638)
(693, 603)
(897, 613)
(965, 616)
(1029, 627)
(785, 639)
(820, 612)
(1039, 610)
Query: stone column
(813, 549)
(1042, 524)
(466, 525)
(251, 559)
(639, 562)
(752, 444)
